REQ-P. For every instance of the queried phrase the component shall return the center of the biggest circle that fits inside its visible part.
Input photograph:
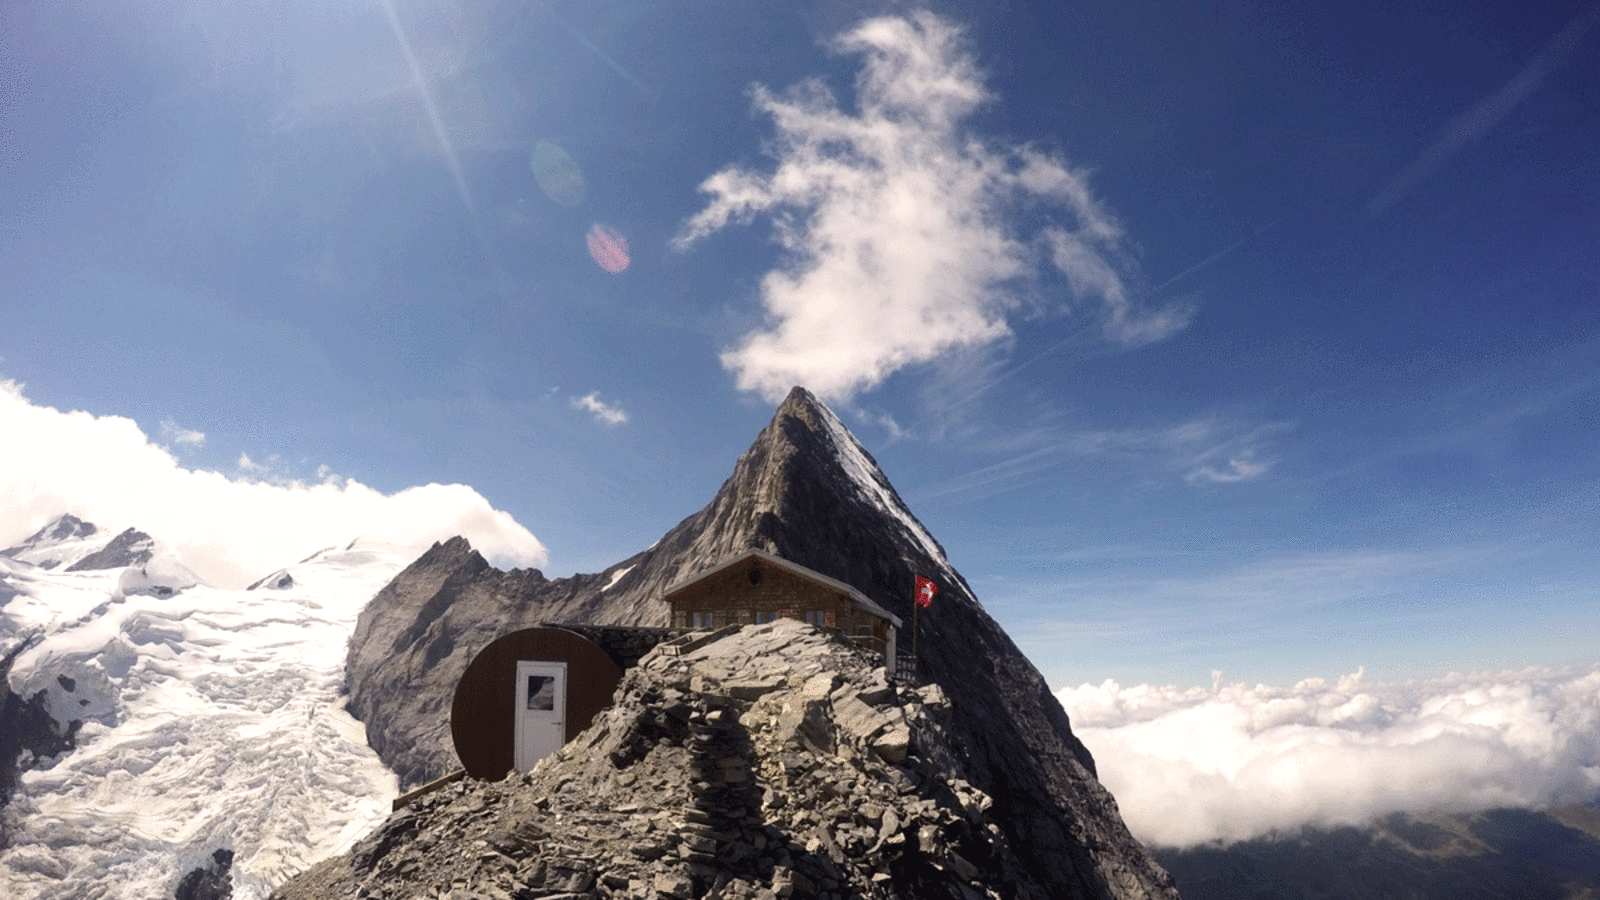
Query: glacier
(211, 719)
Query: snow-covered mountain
(73, 545)
(206, 719)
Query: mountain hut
(756, 586)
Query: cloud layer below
(230, 531)
(1236, 762)
(903, 230)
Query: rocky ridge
(775, 762)
(131, 547)
(805, 490)
(1552, 853)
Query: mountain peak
(805, 490)
(807, 467)
(132, 547)
(63, 530)
(799, 397)
(73, 545)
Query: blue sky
(1255, 339)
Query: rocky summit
(777, 761)
(807, 491)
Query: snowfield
(212, 720)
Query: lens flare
(558, 176)
(609, 249)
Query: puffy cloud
(603, 412)
(1235, 762)
(230, 531)
(903, 230)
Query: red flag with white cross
(925, 591)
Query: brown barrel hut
(524, 695)
(756, 586)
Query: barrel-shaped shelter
(524, 695)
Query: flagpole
(916, 605)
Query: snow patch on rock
(616, 577)
(873, 485)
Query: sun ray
(431, 107)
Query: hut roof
(778, 562)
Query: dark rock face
(27, 730)
(130, 548)
(807, 491)
(776, 761)
(212, 882)
(280, 580)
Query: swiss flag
(925, 591)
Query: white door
(541, 712)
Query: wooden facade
(757, 586)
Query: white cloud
(902, 229)
(230, 531)
(603, 412)
(1241, 467)
(260, 471)
(174, 433)
(1207, 450)
(1159, 603)
(1082, 256)
(1210, 450)
(1188, 766)
(272, 470)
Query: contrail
(1143, 295)
(600, 54)
(1484, 115)
(1212, 258)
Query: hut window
(765, 616)
(755, 576)
(814, 617)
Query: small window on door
(541, 692)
